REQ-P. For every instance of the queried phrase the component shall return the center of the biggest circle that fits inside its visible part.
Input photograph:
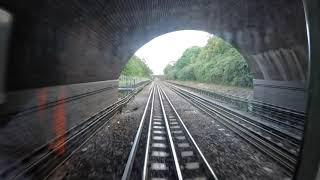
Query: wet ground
(105, 156)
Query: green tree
(217, 62)
(136, 67)
(187, 56)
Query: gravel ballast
(105, 155)
(230, 156)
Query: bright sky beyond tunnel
(169, 47)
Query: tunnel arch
(99, 35)
(170, 36)
(145, 41)
(285, 61)
(272, 64)
(67, 42)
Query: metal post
(308, 166)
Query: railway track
(33, 109)
(43, 161)
(289, 117)
(164, 145)
(286, 118)
(282, 148)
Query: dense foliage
(136, 67)
(217, 62)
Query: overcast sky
(169, 47)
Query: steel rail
(296, 126)
(287, 161)
(173, 150)
(146, 157)
(190, 136)
(98, 127)
(273, 152)
(87, 121)
(89, 128)
(128, 168)
(294, 141)
(285, 109)
(278, 111)
(29, 163)
(279, 116)
(77, 148)
(171, 142)
(32, 109)
(223, 113)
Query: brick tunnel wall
(63, 42)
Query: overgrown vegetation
(136, 67)
(217, 62)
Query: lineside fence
(130, 82)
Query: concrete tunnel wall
(81, 44)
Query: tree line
(136, 67)
(217, 62)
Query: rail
(43, 161)
(169, 150)
(283, 150)
(273, 113)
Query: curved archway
(199, 49)
(91, 41)
(269, 57)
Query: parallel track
(170, 152)
(285, 117)
(277, 146)
(43, 161)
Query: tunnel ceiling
(63, 42)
